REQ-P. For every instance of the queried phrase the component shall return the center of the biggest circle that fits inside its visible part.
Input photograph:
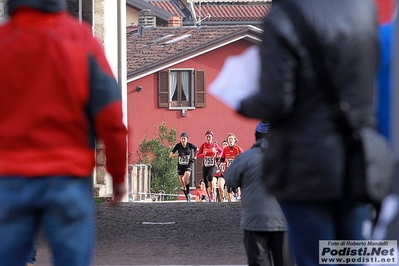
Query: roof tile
(168, 6)
(233, 13)
(154, 47)
(223, 12)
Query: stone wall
(101, 173)
(87, 9)
(99, 19)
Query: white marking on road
(157, 222)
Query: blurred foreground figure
(57, 95)
(304, 166)
(263, 222)
(387, 227)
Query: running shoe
(212, 197)
(190, 198)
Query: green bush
(156, 152)
(99, 200)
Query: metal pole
(122, 64)
(80, 11)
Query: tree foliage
(156, 152)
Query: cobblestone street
(165, 233)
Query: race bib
(209, 161)
(184, 159)
(229, 162)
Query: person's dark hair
(210, 132)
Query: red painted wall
(143, 111)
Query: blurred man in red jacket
(57, 96)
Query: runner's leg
(183, 185)
(186, 179)
(221, 183)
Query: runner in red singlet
(210, 152)
(229, 153)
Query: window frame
(191, 90)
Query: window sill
(181, 108)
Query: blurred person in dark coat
(263, 221)
(304, 166)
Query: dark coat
(260, 210)
(305, 159)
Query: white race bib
(209, 161)
(184, 159)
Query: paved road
(167, 233)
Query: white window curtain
(173, 84)
(185, 78)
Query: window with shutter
(199, 81)
(181, 89)
(163, 89)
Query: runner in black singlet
(186, 154)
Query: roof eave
(253, 36)
(225, 23)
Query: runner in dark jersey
(186, 153)
(211, 152)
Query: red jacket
(57, 95)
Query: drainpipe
(122, 63)
(122, 55)
(80, 11)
